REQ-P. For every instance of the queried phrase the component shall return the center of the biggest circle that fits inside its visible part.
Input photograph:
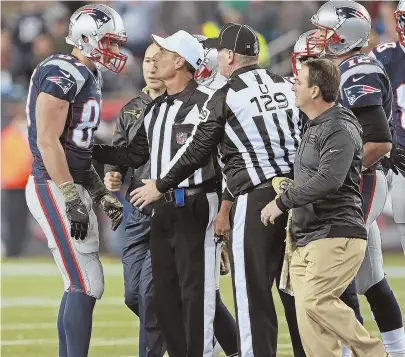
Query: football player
(392, 56)
(302, 52)
(63, 111)
(343, 30)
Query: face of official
(304, 95)
(149, 69)
(167, 63)
(225, 60)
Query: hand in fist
(112, 180)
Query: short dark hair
(190, 68)
(324, 74)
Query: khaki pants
(320, 272)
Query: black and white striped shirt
(254, 120)
(169, 122)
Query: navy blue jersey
(392, 56)
(365, 83)
(65, 77)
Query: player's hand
(113, 181)
(75, 210)
(78, 217)
(113, 209)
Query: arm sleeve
(60, 83)
(337, 148)
(95, 186)
(133, 155)
(200, 146)
(226, 195)
(374, 124)
(120, 138)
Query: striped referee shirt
(254, 120)
(169, 122)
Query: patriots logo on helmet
(346, 12)
(100, 17)
(355, 92)
(64, 83)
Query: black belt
(269, 182)
(264, 184)
(169, 196)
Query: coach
(136, 259)
(254, 121)
(327, 224)
(182, 237)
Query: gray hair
(244, 61)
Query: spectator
(139, 20)
(57, 20)
(28, 26)
(16, 161)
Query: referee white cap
(183, 43)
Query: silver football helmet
(207, 71)
(303, 51)
(92, 28)
(346, 25)
(400, 21)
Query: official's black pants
(256, 254)
(183, 266)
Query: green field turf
(31, 290)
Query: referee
(254, 120)
(181, 238)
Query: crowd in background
(31, 31)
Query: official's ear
(231, 57)
(179, 62)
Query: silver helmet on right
(342, 27)
(400, 22)
(207, 73)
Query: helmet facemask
(114, 62)
(303, 51)
(202, 73)
(208, 68)
(322, 39)
(400, 25)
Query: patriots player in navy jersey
(392, 56)
(343, 29)
(63, 111)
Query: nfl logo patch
(181, 138)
